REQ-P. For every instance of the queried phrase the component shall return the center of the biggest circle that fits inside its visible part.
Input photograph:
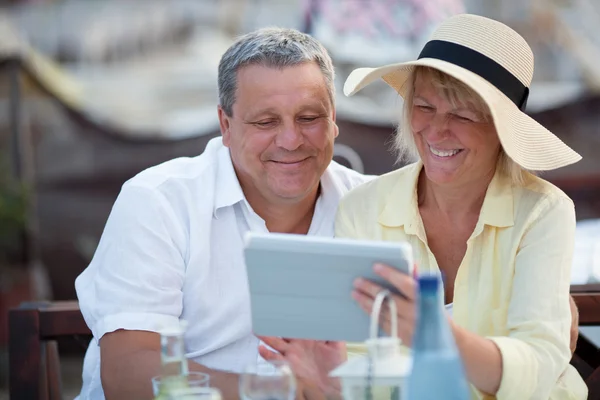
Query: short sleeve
(135, 279)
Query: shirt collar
(498, 206)
(401, 208)
(401, 204)
(227, 186)
(332, 190)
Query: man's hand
(307, 390)
(311, 360)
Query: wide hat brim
(523, 139)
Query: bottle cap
(429, 282)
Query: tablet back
(300, 286)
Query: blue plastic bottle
(437, 371)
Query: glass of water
(193, 380)
(268, 381)
(196, 393)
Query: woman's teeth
(444, 153)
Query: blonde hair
(456, 93)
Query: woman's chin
(441, 176)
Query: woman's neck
(453, 202)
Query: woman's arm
(481, 358)
(535, 352)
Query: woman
(472, 208)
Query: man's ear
(336, 127)
(225, 125)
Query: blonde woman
(472, 208)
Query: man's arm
(129, 360)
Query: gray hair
(271, 47)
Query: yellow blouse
(512, 285)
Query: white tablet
(300, 286)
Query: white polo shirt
(173, 248)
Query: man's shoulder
(347, 177)
(180, 172)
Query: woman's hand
(365, 292)
(311, 360)
(574, 325)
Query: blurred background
(94, 91)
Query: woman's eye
(425, 108)
(463, 118)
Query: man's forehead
(308, 71)
(263, 89)
(314, 106)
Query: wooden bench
(35, 327)
(34, 367)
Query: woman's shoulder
(539, 190)
(537, 197)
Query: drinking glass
(268, 381)
(196, 393)
(194, 380)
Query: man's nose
(289, 137)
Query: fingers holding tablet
(365, 291)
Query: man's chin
(293, 196)
(293, 187)
(294, 193)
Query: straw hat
(496, 63)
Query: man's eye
(264, 124)
(308, 119)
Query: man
(172, 246)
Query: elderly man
(173, 245)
